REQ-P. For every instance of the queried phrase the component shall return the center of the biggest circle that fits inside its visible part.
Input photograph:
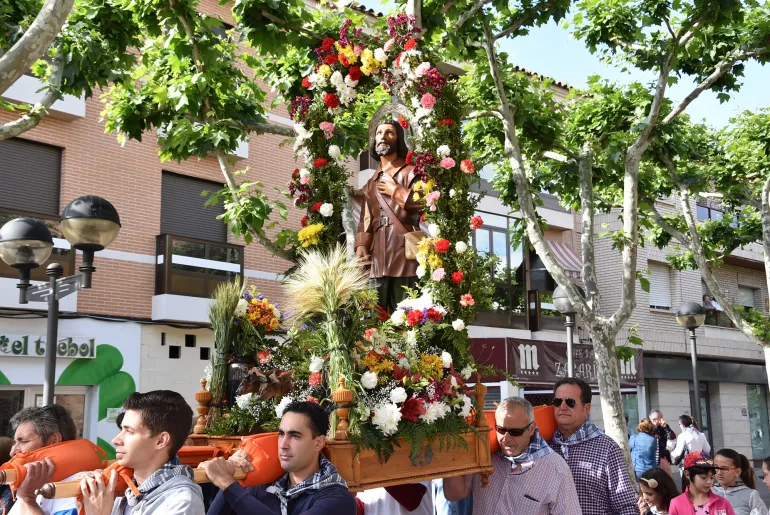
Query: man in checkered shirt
(529, 477)
(596, 461)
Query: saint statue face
(386, 139)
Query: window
(709, 210)
(189, 340)
(183, 211)
(174, 352)
(30, 174)
(660, 286)
(746, 297)
(205, 353)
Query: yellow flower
(429, 186)
(425, 245)
(418, 186)
(435, 261)
(416, 197)
(324, 70)
(310, 235)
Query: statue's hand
(386, 185)
(362, 253)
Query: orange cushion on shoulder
(69, 457)
(544, 419)
(263, 450)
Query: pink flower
(466, 165)
(447, 163)
(304, 180)
(428, 101)
(389, 44)
(328, 129)
(467, 300)
(422, 69)
(358, 50)
(431, 198)
(438, 274)
(369, 333)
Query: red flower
(398, 59)
(327, 44)
(412, 408)
(343, 60)
(466, 166)
(304, 220)
(434, 315)
(402, 122)
(467, 300)
(414, 318)
(410, 44)
(318, 163)
(306, 82)
(315, 379)
(354, 73)
(331, 59)
(331, 101)
(476, 222)
(264, 356)
(446, 122)
(457, 277)
(382, 314)
(310, 398)
(422, 217)
(399, 373)
(442, 245)
(295, 172)
(317, 206)
(409, 157)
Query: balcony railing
(192, 267)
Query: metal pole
(54, 271)
(569, 324)
(695, 383)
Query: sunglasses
(513, 431)
(570, 402)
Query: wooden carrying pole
(65, 489)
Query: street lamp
(691, 316)
(89, 223)
(565, 307)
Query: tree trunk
(609, 390)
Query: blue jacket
(644, 452)
(237, 500)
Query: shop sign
(33, 346)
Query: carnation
(414, 318)
(241, 308)
(446, 359)
(318, 163)
(422, 69)
(410, 44)
(438, 274)
(386, 418)
(315, 379)
(398, 395)
(304, 172)
(337, 79)
(461, 247)
(334, 151)
(442, 245)
(350, 82)
(443, 151)
(369, 333)
(466, 166)
(420, 271)
(458, 325)
(399, 316)
(476, 222)
(467, 300)
(457, 277)
(331, 59)
(317, 206)
(435, 411)
(285, 401)
(428, 101)
(368, 380)
(379, 54)
(434, 230)
(354, 73)
(447, 163)
(306, 82)
(327, 44)
(331, 101)
(316, 364)
(326, 210)
(389, 44)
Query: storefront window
(758, 420)
(705, 425)
(11, 402)
(631, 409)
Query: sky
(550, 51)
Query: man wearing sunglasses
(529, 478)
(596, 461)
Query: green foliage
(759, 322)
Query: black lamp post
(565, 307)
(691, 316)
(90, 224)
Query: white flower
(326, 210)
(337, 79)
(276, 313)
(435, 411)
(458, 325)
(317, 80)
(446, 359)
(285, 401)
(453, 381)
(379, 54)
(346, 94)
(443, 151)
(386, 418)
(302, 135)
(466, 372)
(316, 364)
(207, 373)
(334, 151)
(422, 69)
(369, 380)
(304, 172)
(433, 230)
(467, 406)
(461, 247)
(243, 401)
(241, 308)
(495, 305)
(403, 363)
(411, 337)
(452, 193)
(397, 395)
(350, 82)
(398, 317)
(420, 271)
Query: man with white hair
(529, 477)
(664, 434)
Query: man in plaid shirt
(597, 464)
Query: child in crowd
(697, 480)
(737, 483)
(658, 489)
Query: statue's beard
(383, 149)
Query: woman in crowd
(644, 447)
(658, 489)
(766, 472)
(737, 483)
(689, 440)
(697, 480)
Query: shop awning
(567, 258)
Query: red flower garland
(457, 277)
(318, 163)
(442, 245)
(331, 101)
(354, 73)
(331, 59)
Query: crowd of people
(579, 471)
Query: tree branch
(269, 128)
(516, 25)
(765, 210)
(585, 166)
(557, 157)
(275, 19)
(670, 29)
(492, 113)
(720, 70)
(35, 41)
(467, 15)
(644, 139)
(663, 223)
(32, 118)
